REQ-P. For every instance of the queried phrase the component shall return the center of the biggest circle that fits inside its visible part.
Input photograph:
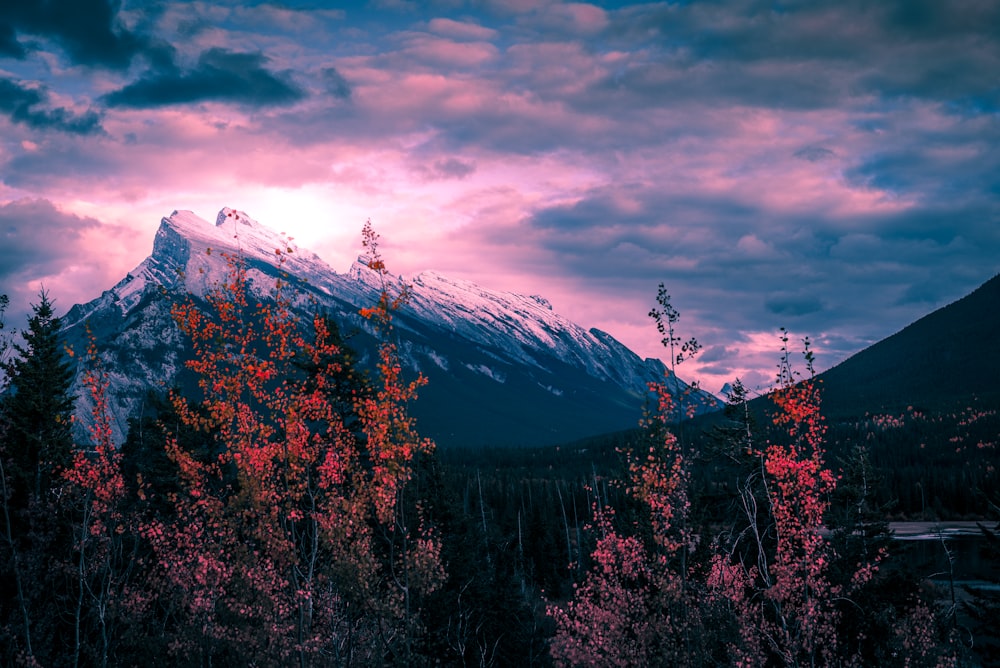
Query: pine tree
(36, 448)
(4, 303)
(38, 407)
(345, 383)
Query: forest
(284, 510)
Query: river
(941, 551)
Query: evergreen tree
(38, 407)
(345, 383)
(36, 447)
(4, 302)
(151, 476)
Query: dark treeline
(931, 464)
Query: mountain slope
(503, 368)
(945, 357)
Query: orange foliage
(276, 531)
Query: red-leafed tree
(789, 589)
(103, 561)
(411, 561)
(635, 606)
(785, 602)
(273, 554)
(774, 591)
(774, 566)
(638, 605)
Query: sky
(831, 167)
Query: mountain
(503, 368)
(946, 357)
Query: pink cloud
(569, 18)
(430, 50)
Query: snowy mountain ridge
(516, 369)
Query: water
(949, 551)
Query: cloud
(808, 55)
(650, 212)
(453, 168)
(71, 256)
(37, 239)
(269, 17)
(829, 166)
(409, 6)
(220, 75)
(716, 353)
(461, 30)
(438, 52)
(792, 304)
(9, 46)
(25, 105)
(567, 19)
(89, 31)
(55, 165)
(335, 83)
(815, 153)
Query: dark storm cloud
(632, 207)
(597, 210)
(9, 46)
(26, 106)
(653, 84)
(89, 31)
(220, 75)
(807, 55)
(793, 304)
(716, 353)
(36, 239)
(921, 18)
(737, 266)
(925, 292)
(846, 30)
(932, 172)
(965, 81)
(724, 239)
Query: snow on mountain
(503, 367)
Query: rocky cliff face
(504, 368)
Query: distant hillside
(946, 357)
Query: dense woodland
(285, 511)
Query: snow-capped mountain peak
(503, 367)
(230, 225)
(227, 215)
(235, 231)
(188, 242)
